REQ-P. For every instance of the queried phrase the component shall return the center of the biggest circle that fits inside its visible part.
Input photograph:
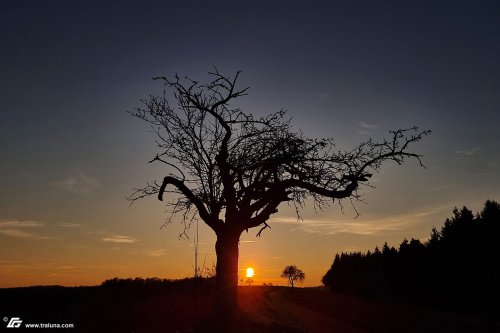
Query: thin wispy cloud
(468, 152)
(364, 226)
(323, 95)
(366, 128)
(348, 226)
(17, 228)
(120, 239)
(16, 233)
(199, 243)
(367, 125)
(20, 224)
(69, 225)
(77, 182)
(158, 252)
(351, 227)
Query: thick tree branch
(202, 211)
(264, 215)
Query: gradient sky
(70, 153)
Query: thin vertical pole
(196, 252)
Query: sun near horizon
(249, 272)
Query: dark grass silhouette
(118, 305)
(134, 305)
(456, 270)
(153, 305)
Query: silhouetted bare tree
(233, 170)
(293, 273)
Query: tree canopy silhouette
(233, 170)
(457, 269)
(293, 273)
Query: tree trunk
(226, 248)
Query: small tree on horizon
(293, 273)
(232, 170)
